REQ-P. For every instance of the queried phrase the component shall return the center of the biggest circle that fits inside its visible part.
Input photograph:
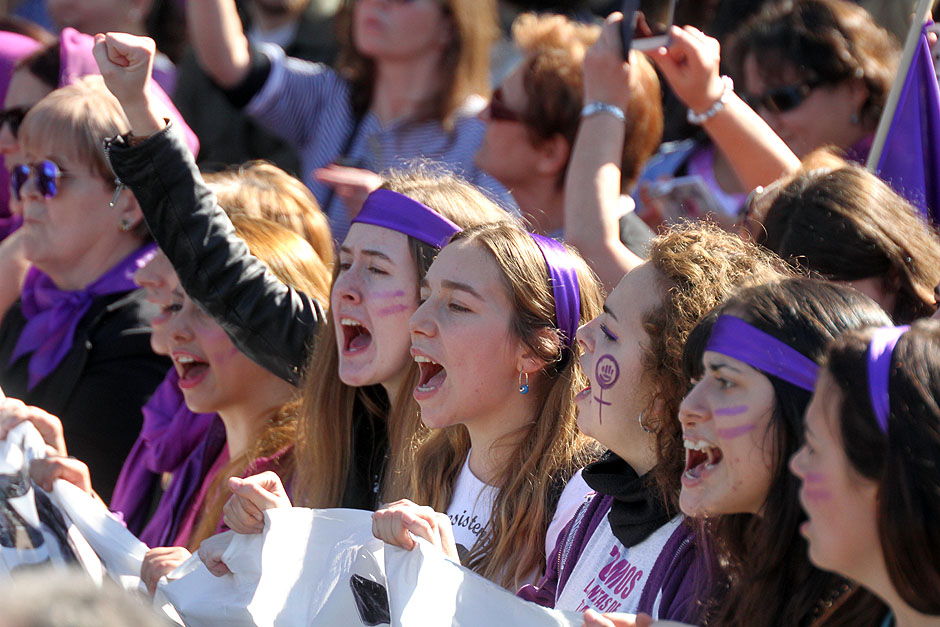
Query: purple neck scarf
(879, 371)
(169, 436)
(53, 314)
(565, 288)
(397, 212)
(739, 340)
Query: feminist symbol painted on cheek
(606, 373)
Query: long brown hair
(465, 64)
(325, 434)
(765, 576)
(295, 263)
(549, 450)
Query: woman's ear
(527, 359)
(127, 210)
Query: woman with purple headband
(357, 414)
(503, 455)
(754, 361)
(869, 467)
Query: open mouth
(356, 337)
(432, 374)
(190, 369)
(700, 457)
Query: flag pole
(921, 15)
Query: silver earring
(643, 426)
(125, 225)
(523, 383)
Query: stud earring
(125, 225)
(643, 426)
(523, 383)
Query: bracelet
(700, 118)
(594, 107)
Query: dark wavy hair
(764, 575)
(902, 462)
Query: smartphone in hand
(646, 24)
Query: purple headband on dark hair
(397, 212)
(879, 371)
(736, 338)
(565, 288)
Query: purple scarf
(170, 434)
(52, 314)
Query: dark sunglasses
(498, 110)
(47, 173)
(14, 117)
(783, 99)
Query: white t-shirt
(610, 577)
(472, 504)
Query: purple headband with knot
(879, 371)
(397, 212)
(736, 338)
(563, 278)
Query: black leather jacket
(270, 322)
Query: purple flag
(910, 161)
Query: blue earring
(523, 387)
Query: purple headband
(564, 281)
(397, 212)
(879, 371)
(736, 338)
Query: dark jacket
(99, 388)
(270, 322)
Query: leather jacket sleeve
(270, 322)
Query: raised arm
(690, 66)
(592, 185)
(270, 322)
(218, 39)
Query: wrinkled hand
(244, 511)
(159, 562)
(395, 523)
(126, 62)
(606, 74)
(690, 66)
(211, 550)
(353, 185)
(14, 411)
(45, 471)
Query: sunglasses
(14, 117)
(499, 110)
(48, 177)
(783, 99)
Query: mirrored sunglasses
(47, 173)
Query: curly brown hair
(699, 266)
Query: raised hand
(396, 523)
(126, 63)
(353, 185)
(159, 562)
(606, 74)
(690, 66)
(14, 411)
(244, 511)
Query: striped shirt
(308, 105)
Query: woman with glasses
(76, 343)
(818, 71)
(408, 84)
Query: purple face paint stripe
(735, 432)
(731, 411)
(389, 294)
(394, 309)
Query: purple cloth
(170, 434)
(53, 314)
(910, 160)
(78, 59)
(177, 501)
(563, 278)
(398, 212)
(13, 47)
(879, 371)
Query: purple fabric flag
(910, 161)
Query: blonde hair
(259, 189)
(75, 120)
(549, 449)
(292, 260)
(325, 435)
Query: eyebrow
(607, 311)
(719, 366)
(368, 252)
(462, 287)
